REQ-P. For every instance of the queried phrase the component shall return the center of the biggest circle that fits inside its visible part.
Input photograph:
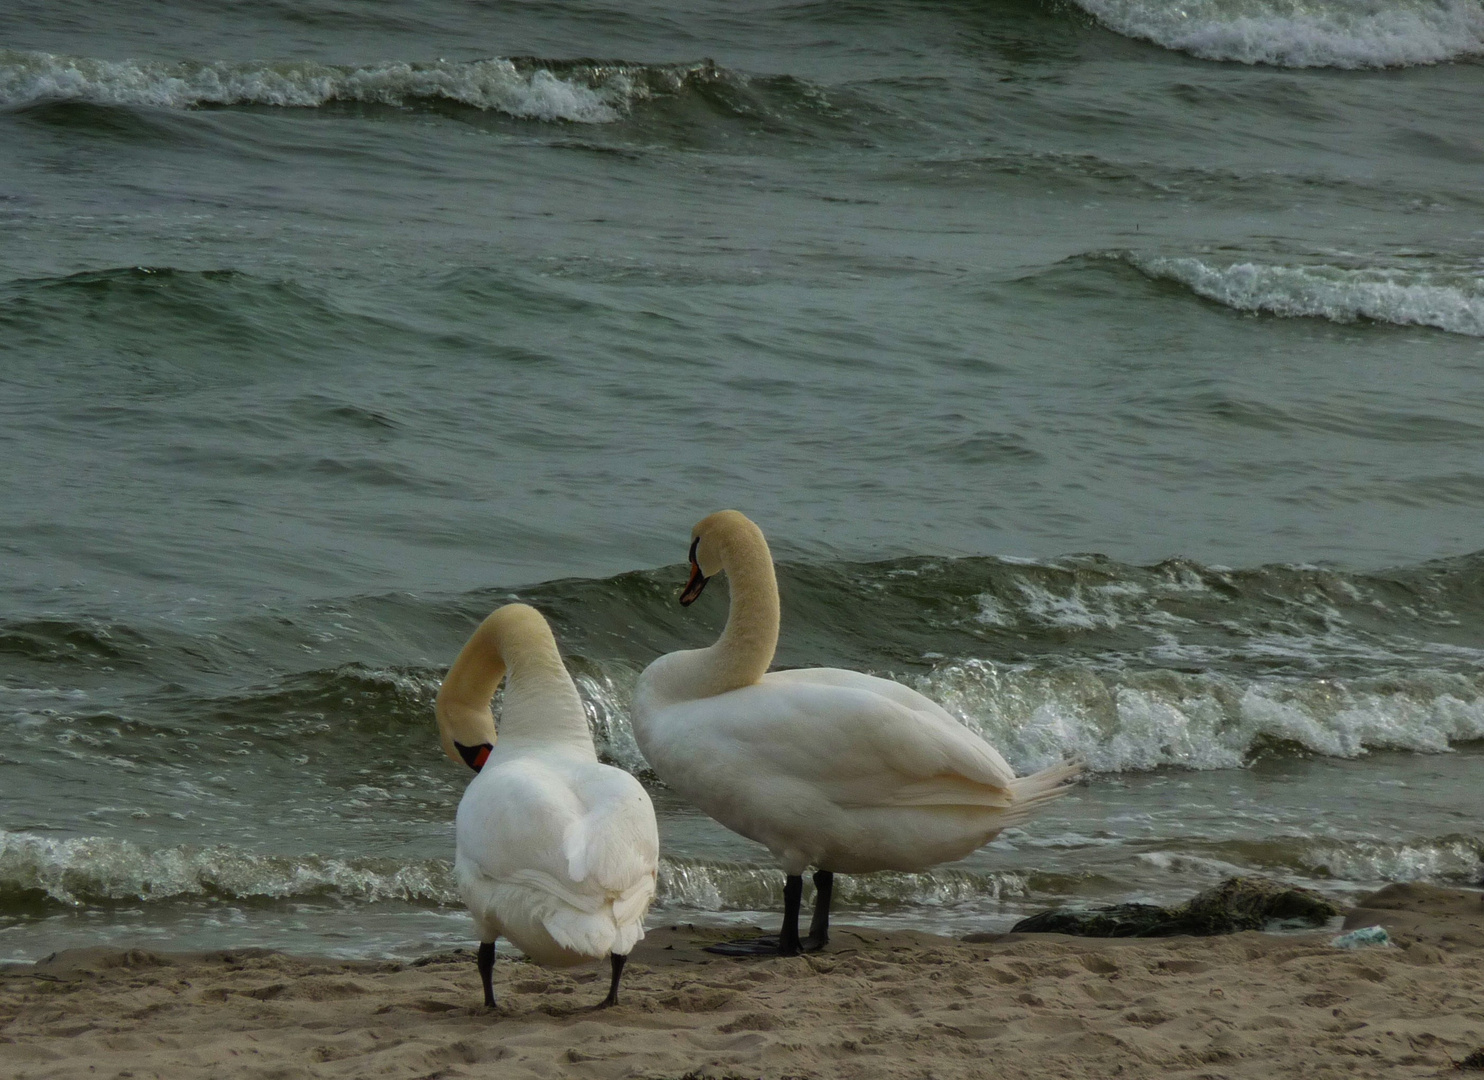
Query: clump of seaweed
(1238, 903)
(1473, 1061)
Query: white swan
(555, 851)
(827, 768)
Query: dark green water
(327, 327)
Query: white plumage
(827, 768)
(555, 851)
(838, 770)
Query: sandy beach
(875, 1004)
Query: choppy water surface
(326, 327)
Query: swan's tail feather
(615, 927)
(628, 935)
(629, 907)
(1032, 793)
(557, 924)
(538, 921)
(590, 935)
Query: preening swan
(827, 768)
(555, 851)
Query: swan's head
(710, 543)
(466, 725)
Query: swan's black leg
(786, 943)
(487, 971)
(819, 926)
(793, 898)
(617, 963)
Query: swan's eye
(693, 545)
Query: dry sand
(875, 1004)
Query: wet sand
(875, 1004)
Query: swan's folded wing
(615, 845)
(861, 748)
(613, 851)
(513, 820)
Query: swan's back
(558, 854)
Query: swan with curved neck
(554, 850)
(827, 768)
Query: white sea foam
(1095, 609)
(1126, 721)
(80, 870)
(1448, 300)
(497, 85)
(605, 698)
(1298, 33)
(1455, 858)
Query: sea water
(1110, 372)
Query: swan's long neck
(541, 703)
(745, 649)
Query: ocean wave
(1451, 300)
(1455, 859)
(40, 874)
(1140, 720)
(1115, 717)
(93, 870)
(1292, 33)
(584, 92)
(1132, 667)
(1137, 668)
(1345, 865)
(693, 885)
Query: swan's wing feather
(615, 844)
(860, 748)
(858, 680)
(928, 710)
(593, 831)
(514, 818)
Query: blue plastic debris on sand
(1359, 939)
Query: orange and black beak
(697, 580)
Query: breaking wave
(1292, 33)
(1132, 668)
(1455, 859)
(39, 873)
(91, 870)
(584, 92)
(1134, 721)
(1352, 865)
(95, 869)
(1451, 300)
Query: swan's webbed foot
(487, 972)
(616, 962)
(788, 943)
